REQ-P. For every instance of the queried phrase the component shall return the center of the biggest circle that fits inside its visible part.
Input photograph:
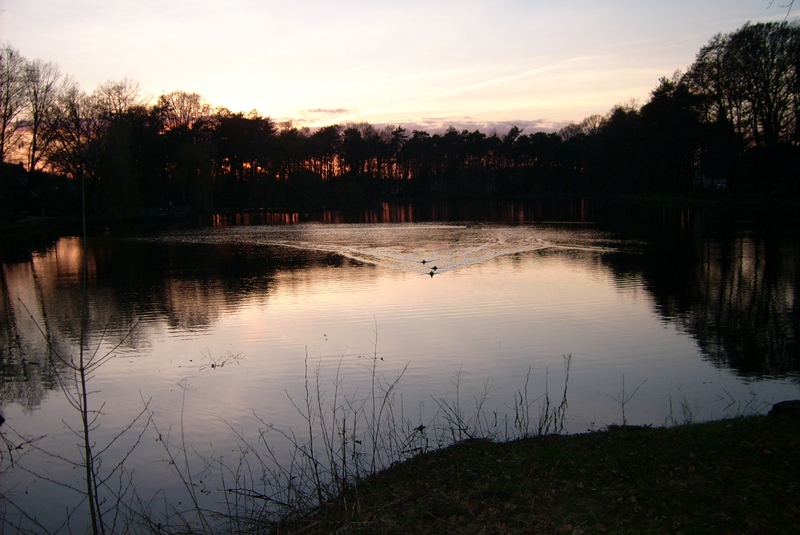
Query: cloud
(487, 83)
(329, 111)
(350, 116)
(438, 125)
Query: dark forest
(728, 126)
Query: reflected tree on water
(751, 323)
(731, 290)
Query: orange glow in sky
(475, 64)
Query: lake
(451, 317)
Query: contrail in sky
(463, 89)
(478, 85)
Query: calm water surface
(215, 326)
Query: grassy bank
(732, 476)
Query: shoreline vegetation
(738, 475)
(360, 463)
(783, 209)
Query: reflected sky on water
(218, 323)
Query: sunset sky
(423, 64)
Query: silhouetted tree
(399, 136)
(749, 78)
(99, 140)
(324, 148)
(733, 115)
(75, 147)
(44, 85)
(416, 160)
(121, 157)
(244, 144)
(12, 98)
(180, 110)
(673, 137)
(619, 164)
(116, 97)
(12, 72)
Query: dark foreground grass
(732, 476)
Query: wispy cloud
(491, 82)
(352, 61)
(499, 80)
(333, 111)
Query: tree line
(729, 123)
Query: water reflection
(687, 301)
(732, 287)
(740, 302)
(580, 210)
(731, 284)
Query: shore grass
(732, 476)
